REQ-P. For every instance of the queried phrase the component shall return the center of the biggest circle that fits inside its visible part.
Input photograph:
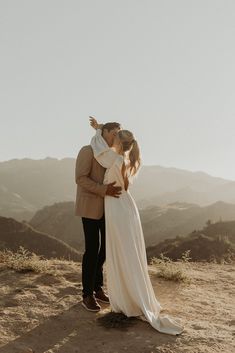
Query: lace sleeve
(104, 154)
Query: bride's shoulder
(119, 160)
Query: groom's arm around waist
(83, 169)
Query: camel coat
(89, 175)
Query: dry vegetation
(172, 270)
(24, 261)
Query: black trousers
(94, 255)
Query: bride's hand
(94, 123)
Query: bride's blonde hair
(129, 144)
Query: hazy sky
(164, 69)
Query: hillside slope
(160, 223)
(59, 220)
(14, 234)
(213, 242)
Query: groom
(89, 175)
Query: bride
(128, 283)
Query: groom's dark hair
(111, 126)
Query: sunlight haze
(163, 69)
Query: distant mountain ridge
(163, 185)
(27, 185)
(158, 223)
(36, 183)
(174, 219)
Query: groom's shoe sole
(94, 310)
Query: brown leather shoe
(101, 296)
(90, 303)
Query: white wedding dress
(128, 283)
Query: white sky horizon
(163, 69)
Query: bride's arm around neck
(104, 154)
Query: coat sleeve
(104, 155)
(82, 172)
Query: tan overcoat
(89, 175)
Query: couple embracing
(112, 228)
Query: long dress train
(128, 283)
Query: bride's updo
(129, 144)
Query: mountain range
(158, 223)
(27, 185)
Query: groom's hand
(112, 190)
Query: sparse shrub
(185, 257)
(172, 270)
(24, 261)
(227, 258)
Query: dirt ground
(42, 313)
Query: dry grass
(24, 261)
(172, 270)
(227, 258)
